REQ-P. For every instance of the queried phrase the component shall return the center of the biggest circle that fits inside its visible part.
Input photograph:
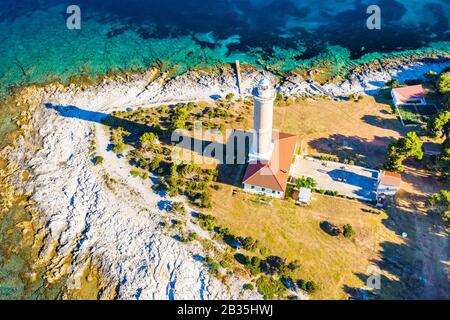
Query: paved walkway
(347, 180)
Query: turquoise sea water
(35, 44)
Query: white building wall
(386, 190)
(263, 191)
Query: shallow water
(35, 44)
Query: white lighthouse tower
(262, 144)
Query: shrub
(206, 221)
(393, 83)
(214, 268)
(248, 286)
(135, 173)
(205, 199)
(264, 251)
(242, 259)
(348, 231)
(308, 286)
(98, 160)
(119, 148)
(248, 243)
(305, 182)
(178, 207)
(443, 84)
(441, 202)
(273, 264)
(254, 266)
(270, 288)
(147, 141)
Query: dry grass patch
(294, 233)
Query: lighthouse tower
(262, 144)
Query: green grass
(416, 114)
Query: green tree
(98, 160)
(409, 146)
(393, 83)
(443, 84)
(306, 182)
(439, 125)
(270, 288)
(117, 139)
(148, 140)
(229, 96)
(308, 286)
(348, 231)
(441, 202)
(179, 118)
(155, 163)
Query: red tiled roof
(273, 174)
(392, 179)
(404, 94)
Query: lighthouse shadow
(231, 157)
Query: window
(263, 189)
(253, 187)
(273, 191)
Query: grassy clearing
(294, 233)
(358, 131)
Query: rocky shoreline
(86, 230)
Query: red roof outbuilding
(404, 94)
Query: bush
(308, 286)
(306, 182)
(441, 202)
(248, 286)
(119, 148)
(443, 84)
(206, 221)
(248, 243)
(178, 207)
(270, 288)
(98, 160)
(242, 259)
(254, 266)
(264, 251)
(273, 264)
(348, 231)
(192, 236)
(205, 199)
(393, 83)
(135, 173)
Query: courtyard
(348, 180)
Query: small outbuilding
(388, 183)
(409, 95)
(304, 196)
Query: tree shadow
(364, 152)
(231, 156)
(135, 129)
(414, 268)
(385, 123)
